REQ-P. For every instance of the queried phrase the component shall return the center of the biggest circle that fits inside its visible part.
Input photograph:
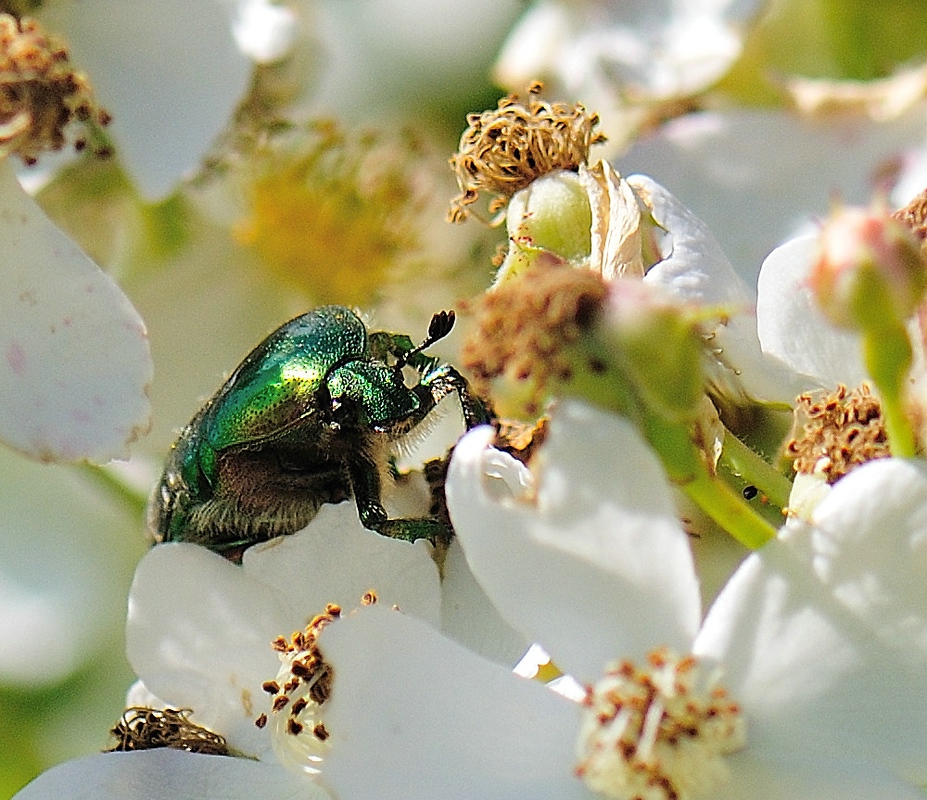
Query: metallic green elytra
(311, 416)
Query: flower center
(301, 687)
(657, 733)
(841, 431)
(303, 684)
(335, 214)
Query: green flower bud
(558, 330)
(869, 273)
(658, 345)
(552, 216)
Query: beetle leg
(441, 381)
(411, 530)
(365, 482)
(366, 488)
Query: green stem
(742, 461)
(118, 489)
(888, 356)
(687, 469)
(681, 458)
(900, 435)
(727, 507)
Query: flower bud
(589, 219)
(551, 215)
(869, 273)
(558, 330)
(659, 346)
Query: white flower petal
(717, 554)
(335, 560)
(199, 633)
(761, 775)
(264, 30)
(468, 615)
(694, 267)
(758, 177)
(140, 695)
(649, 50)
(808, 489)
(695, 270)
(545, 29)
(171, 74)
(823, 633)
(200, 627)
(701, 45)
(168, 775)
(598, 565)
(791, 327)
(383, 57)
(74, 359)
(445, 723)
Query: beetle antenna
(440, 326)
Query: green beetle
(311, 416)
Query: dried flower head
(40, 91)
(503, 150)
(149, 728)
(527, 325)
(840, 431)
(914, 217)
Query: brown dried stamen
(40, 91)
(504, 149)
(308, 669)
(914, 216)
(526, 325)
(147, 729)
(840, 431)
(519, 440)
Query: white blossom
(820, 637)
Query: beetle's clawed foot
(411, 530)
(440, 326)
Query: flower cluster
(675, 551)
